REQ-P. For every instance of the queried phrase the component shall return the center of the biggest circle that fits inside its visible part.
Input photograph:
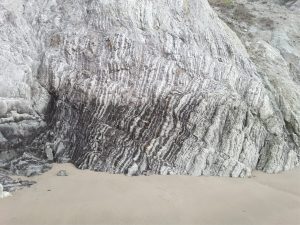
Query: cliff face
(270, 32)
(141, 87)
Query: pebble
(62, 173)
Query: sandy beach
(87, 197)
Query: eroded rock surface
(270, 32)
(9, 184)
(142, 87)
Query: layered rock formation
(141, 87)
(270, 32)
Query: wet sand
(86, 197)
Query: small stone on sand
(62, 173)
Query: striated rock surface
(29, 165)
(12, 185)
(142, 87)
(270, 31)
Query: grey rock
(147, 87)
(49, 152)
(62, 173)
(10, 184)
(29, 165)
(4, 194)
(274, 47)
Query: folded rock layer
(137, 87)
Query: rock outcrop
(270, 32)
(142, 87)
(9, 184)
